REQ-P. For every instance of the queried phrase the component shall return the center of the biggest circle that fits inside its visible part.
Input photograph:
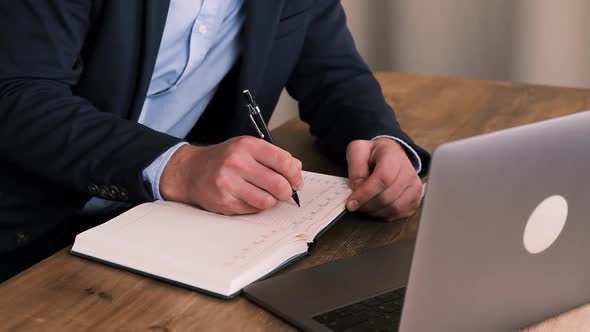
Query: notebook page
(181, 243)
(323, 197)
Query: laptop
(502, 244)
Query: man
(98, 100)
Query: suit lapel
(262, 17)
(153, 27)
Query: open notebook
(210, 252)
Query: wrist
(173, 182)
(408, 150)
(386, 141)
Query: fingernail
(352, 205)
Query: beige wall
(552, 43)
(536, 41)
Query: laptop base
(299, 296)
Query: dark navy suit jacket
(74, 76)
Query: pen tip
(296, 198)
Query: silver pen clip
(252, 111)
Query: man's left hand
(383, 180)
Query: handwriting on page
(320, 195)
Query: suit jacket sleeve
(48, 130)
(337, 93)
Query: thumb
(358, 154)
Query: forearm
(50, 132)
(338, 95)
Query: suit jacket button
(123, 195)
(22, 238)
(104, 191)
(93, 189)
(114, 192)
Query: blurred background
(533, 41)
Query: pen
(260, 126)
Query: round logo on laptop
(545, 224)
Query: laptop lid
(504, 232)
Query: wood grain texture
(67, 293)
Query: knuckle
(284, 166)
(356, 144)
(225, 206)
(381, 200)
(277, 187)
(409, 212)
(383, 181)
(233, 161)
(223, 183)
(417, 202)
(404, 214)
(417, 192)
(415, 179)
(296, 168)
(286, 194)
(397, 207)
(283, 162)
(241, 144)
(352, 147)
(298, 164)
(389, 178)
(282, 190)
(245, 141)
(228, 213)
(267, 202)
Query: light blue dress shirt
(199, 46)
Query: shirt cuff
(412, 154)
(153, 172)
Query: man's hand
(384, 182)
(239, 176)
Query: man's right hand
(239, 176)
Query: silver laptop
(502, 244)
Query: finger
(403, 207)
(279, 161)
(406, 178)
(254, 196)
(382, 178)
(230, 205)
(268, 180)
(386, 197)
(358, 154)
(299, 172)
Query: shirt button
(203, 29)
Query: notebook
(213, 253)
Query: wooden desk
(66, 293)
